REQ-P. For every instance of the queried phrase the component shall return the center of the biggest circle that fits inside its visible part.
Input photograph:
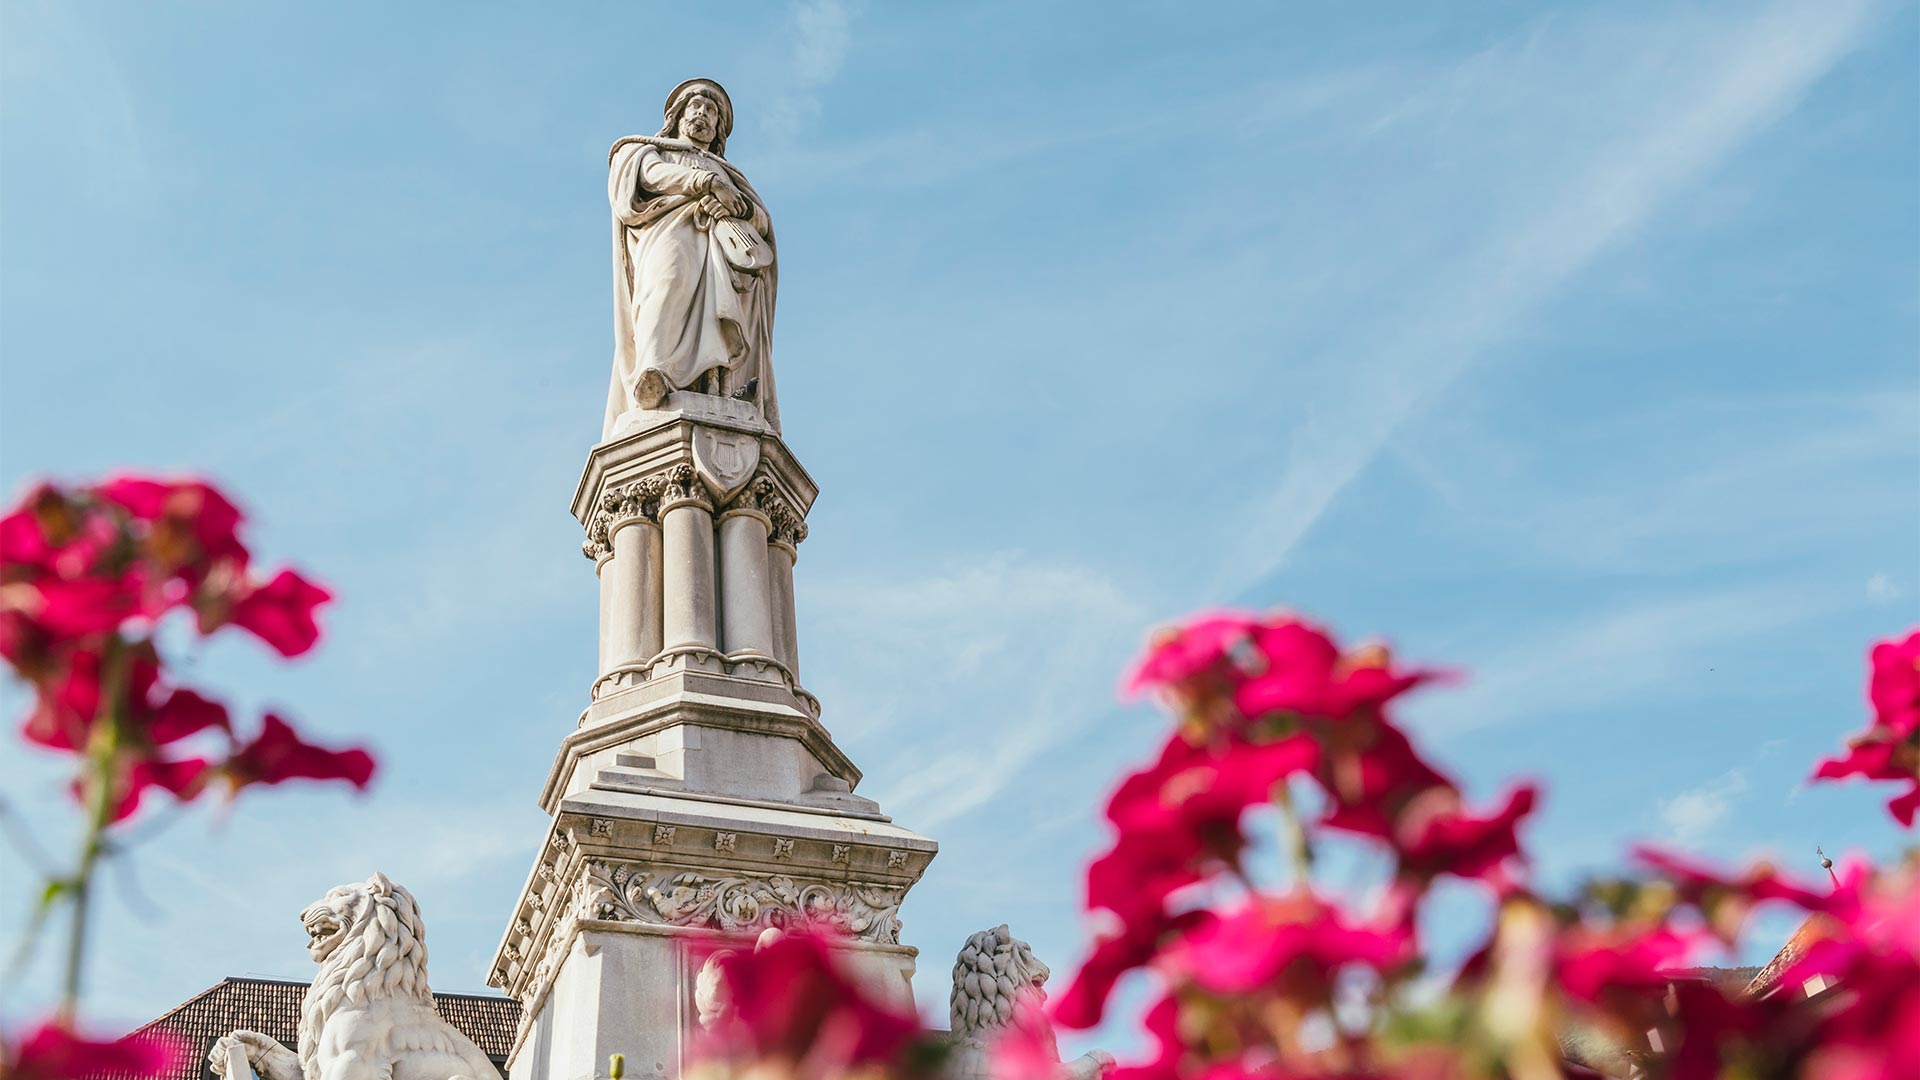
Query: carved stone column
(625, 545)
(691, 637)
(602, 555)
(746, 604)
(782, 552)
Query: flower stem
(103, 746)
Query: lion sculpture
(368, 1014)
(998, 984)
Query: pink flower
(1162, 1024)
(1126, 947)
(41, 537)
(1863, 1020)
(1711, 1033)
(65, 713)
(192, 524)
(85, 606)
(53, 1051)
(1704, 887)
(798, 1009)
(183, 779)
(1432, 835)
(278, 754)
(281, 612)
(1890, 747)
(1591, 963)
(1293, 943)
(67, 707)
(1894, 686)
(1278, 664)
(1185, 654)
(1180, 817)
(1372, 773)
(1872, 758)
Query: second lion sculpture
(999, 984)
(368, 1014)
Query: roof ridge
(190, 1001)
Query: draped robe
(680, 308)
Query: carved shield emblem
(725, 460)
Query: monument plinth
(700, 801)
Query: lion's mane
(384, 956)
(993, 972)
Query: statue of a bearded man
(693, 263)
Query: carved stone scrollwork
(743, 904)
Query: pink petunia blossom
(1272, 941)
(53, 1051)
(278, 754)
(281, 612)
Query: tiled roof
(272, 1007)
(1816, 927)
(1729, 980)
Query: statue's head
(369, 942)
(375, 908)
(699, 111)
(995, 976)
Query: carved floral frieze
(742, 904)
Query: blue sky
(1573, 347)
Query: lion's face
(1027, 970)
(331, 919)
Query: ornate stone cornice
(573, 888)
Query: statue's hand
(729, 197)
(268, 1058)
(714, 207)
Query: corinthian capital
(681, 484)
(639, 500)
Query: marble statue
(368, 1014)
(693, 263)
(998, 984)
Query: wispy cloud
(1721, 496)
(1681, 122)
(992, 664)
(822, 34)
(1599, 658)
(1882, 589)
(1693, 815)
(64, 76)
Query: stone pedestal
(699, 800)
